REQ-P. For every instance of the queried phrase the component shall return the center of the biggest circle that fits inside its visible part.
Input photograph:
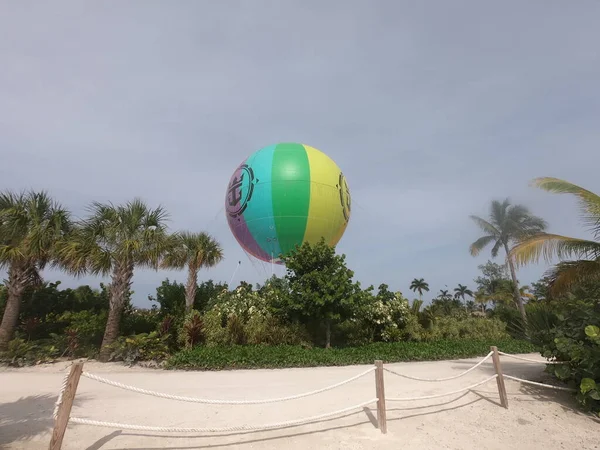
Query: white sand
(537, 418)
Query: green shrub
(88, 325)
(262, 356)
(576, 338)
(412, 329)
(19, 353)
(191, 332)
(236, 330)
(244, 316)
(139, 321)
(140, 347)
(215, 328)
(271, 331)
(385, 316)
(24, 353)
(350, 333)
(379, 318)
(542, 319)
(479, 328)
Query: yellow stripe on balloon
(325, 213)
(336, 238)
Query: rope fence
(462, 374)
(558, 388)
(270, 426)
(62, 411)
(427, 397)
(521, 358)
(224, 402)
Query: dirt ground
(537, 418)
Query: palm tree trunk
(17, 281)
(119, 287)
(516, 293)
(328, 334)
(190, 288)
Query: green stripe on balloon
(291, 193)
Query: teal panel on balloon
(259, 218)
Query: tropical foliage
(260, 356)
(419, 285)
(580, 258)
(571, 289)
(507, 224)
(31, 225)
(321, 288)
(194, 251)
(316, 314)
(462, 291)
(114, 240)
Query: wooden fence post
(499, 378)
(380, 391)
(64, 410)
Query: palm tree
(461, 291)
(114, 240)
(507, 224)
(524, 292)
(419, 285)
(415, 308)
(501, 293)
(470, 306)
(444, 295)
(194, 250)
(586, 265)
(482, 298)
(31, 224)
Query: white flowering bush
(244, 316)
(386, 318)
(242, 303)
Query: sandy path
(537, 419)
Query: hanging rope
(234, 272)
(441, 379)
(533, 360)
(558, 388)
(60, 396)
(444, 394)
(125, 426)
(222, 402)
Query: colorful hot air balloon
(284, 195)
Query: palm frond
(516, 213)
(569, 273)
(195, 250)
(532, 225)
(486, 226)
(498, 212)
(416, 306)
(549, 245)
(480, 244)
(519, 223)
(30, 225)
(589, 202)
(176, 252)
(157, 217)
(496, 248)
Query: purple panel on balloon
(235, 204)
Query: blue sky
(435, 107)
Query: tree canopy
(322, 288)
